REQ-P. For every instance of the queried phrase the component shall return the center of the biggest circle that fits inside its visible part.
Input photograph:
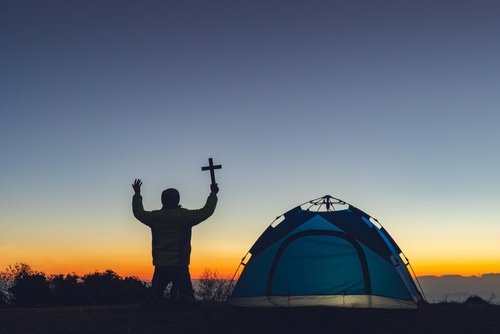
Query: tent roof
(347, 219)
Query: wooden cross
(212, 169)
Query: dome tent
(329, 254)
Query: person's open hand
(137, 186)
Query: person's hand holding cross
(211, 167)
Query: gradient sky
(392, 106)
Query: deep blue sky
(392, 106)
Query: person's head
(170, 198)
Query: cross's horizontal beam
(211, 167)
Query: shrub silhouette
(4, 291)
(476, 300)
(109, 288)
(212, 287)
(27, 287)
(133, 290)
(102, 288)
(67, 290)
(20, 286)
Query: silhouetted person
(171, 234)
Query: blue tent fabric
(338, 259)
(328, 258)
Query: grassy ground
(217, 318)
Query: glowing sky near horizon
(392, 106)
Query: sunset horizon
(143, 268)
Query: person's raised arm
(137, 207)
(197, 216)
(137, 186)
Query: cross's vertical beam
(211, 167)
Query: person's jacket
(171, 230)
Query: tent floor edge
(347, 301)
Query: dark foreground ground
(217, 318)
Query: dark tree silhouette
(28, 288)
(212, 287)
(20, 286)
(67, 290)
(4, 290)
(133, 290)
(7, 280)
(102, 288)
